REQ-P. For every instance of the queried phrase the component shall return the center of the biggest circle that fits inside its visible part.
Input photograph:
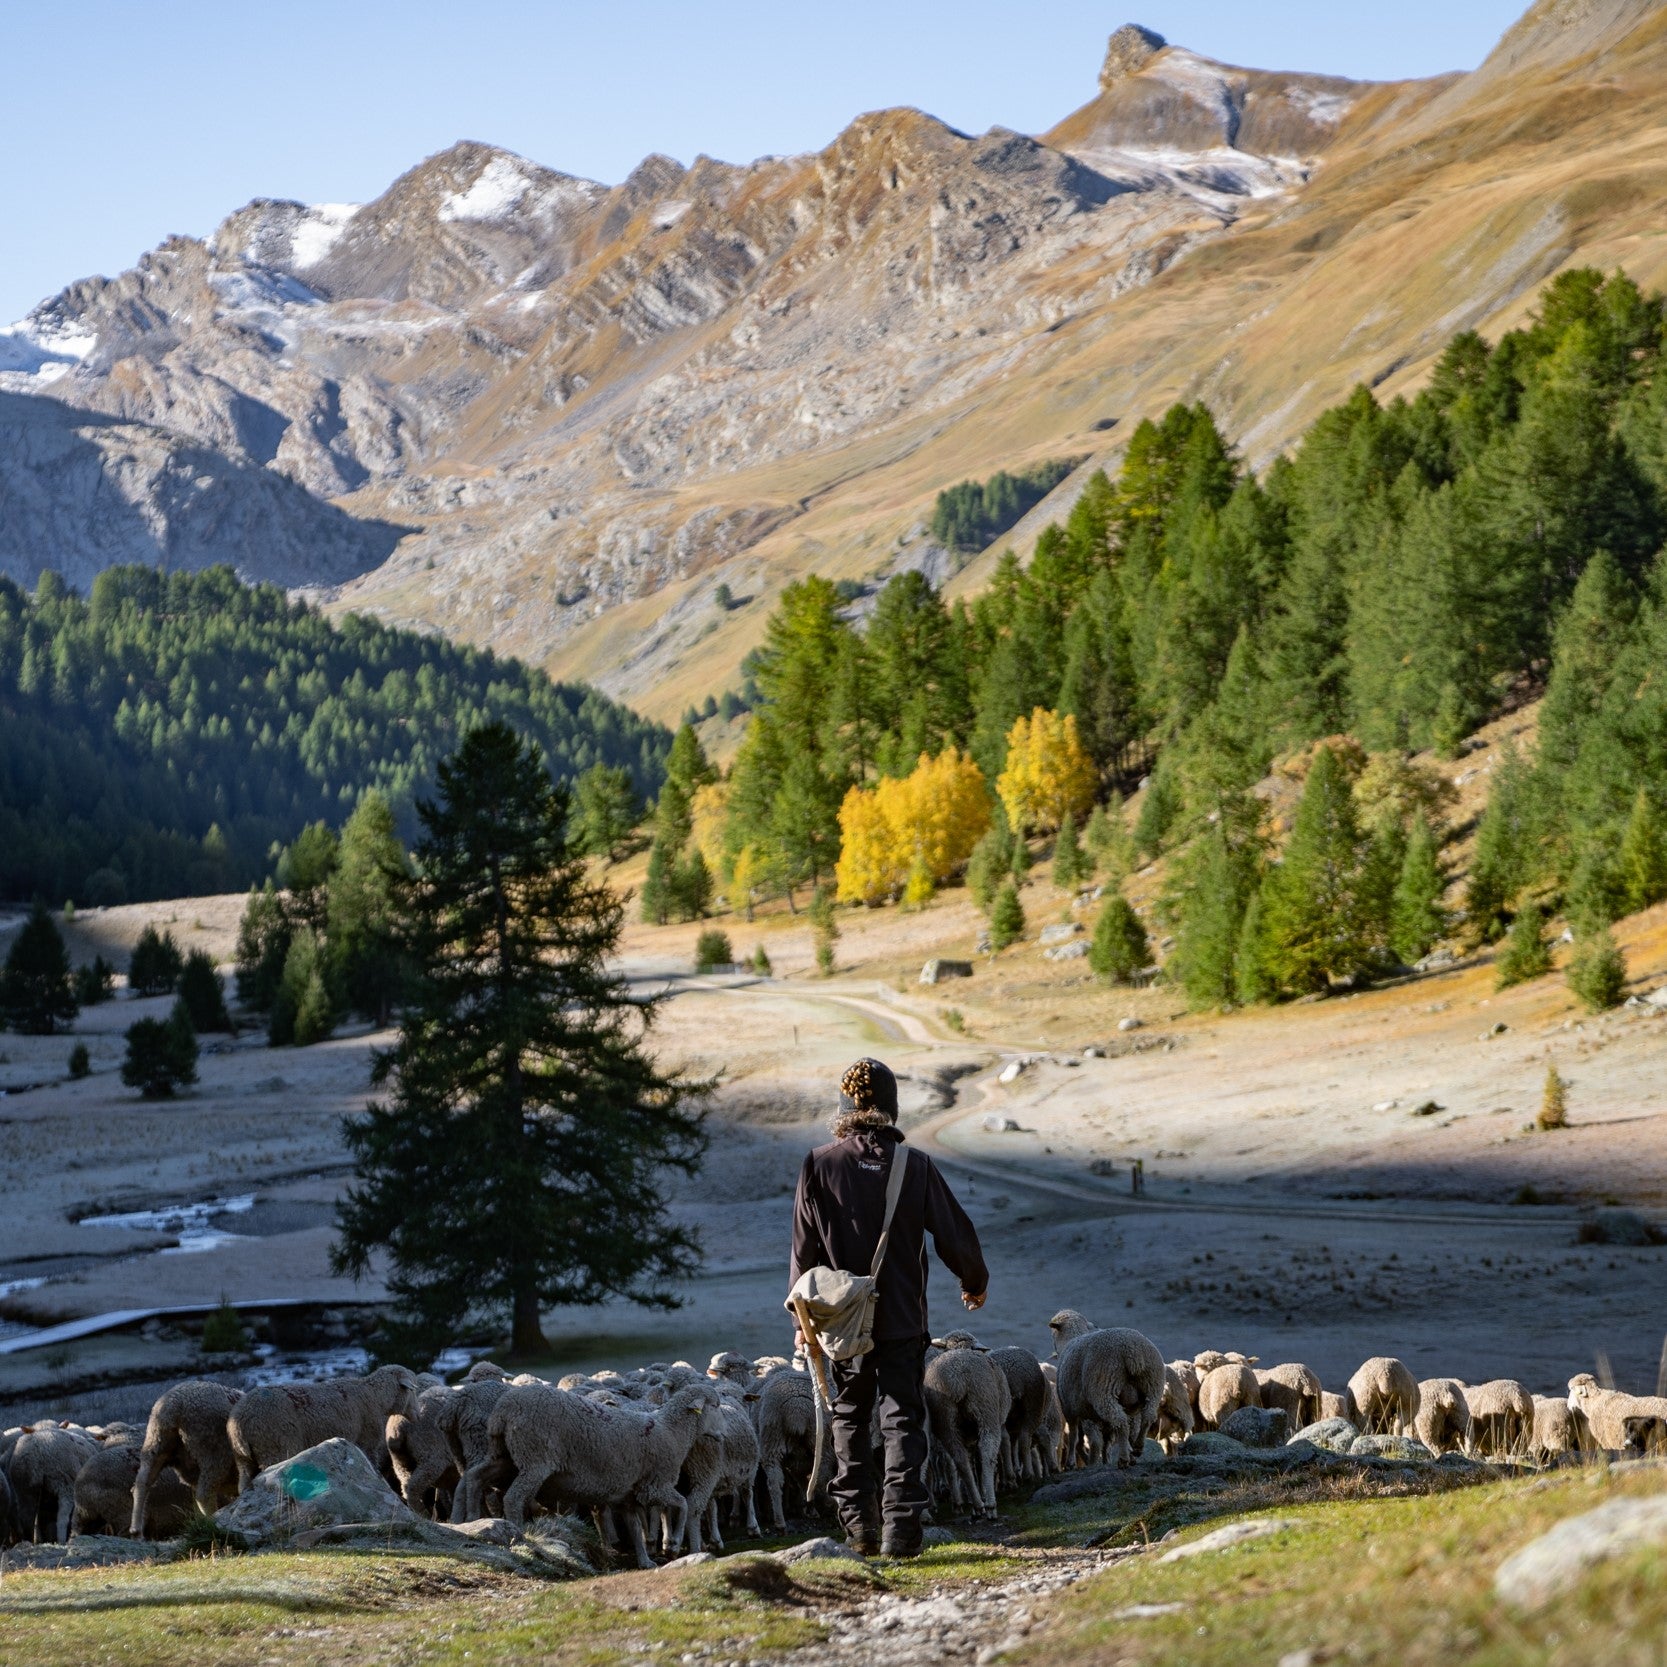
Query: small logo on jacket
(872, 1168)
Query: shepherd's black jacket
(837, 1213)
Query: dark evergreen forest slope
(158, 736)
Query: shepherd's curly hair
(858, 1085)
(862, 1110)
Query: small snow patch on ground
(1325, 109)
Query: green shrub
(154, 967)
(79, 1064)
(223, 1330)
(161, 1055)
(95, 983)
(761, 962)
(1597, 974)
(1120, 947)
(201, 991)
(1526, 953)
(1554, 1101)
(712, 950)
(1007, 917)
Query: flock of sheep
(673, 1451)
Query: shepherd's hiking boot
(901, 1539)
(863, 1537)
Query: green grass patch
(1369, 1580)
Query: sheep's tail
(820, 1395)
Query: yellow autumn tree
(1048, 776)
(708, 817)
(912, 832)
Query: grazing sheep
(1111, 1386)
(1443, 1421)
(1028, 1389)
(1633, 1425)
(1050, 1434)
(1501, 1418)
(722, 1466)
(421, 1456)
(44, 1465)
(596, 1457)
(968, 1400)
(1175, 1415)
(1190, 1378)
(1207, 1360)
(104, 1495)
(277, 1421)
(186, 1431)
(462, 1422)
(1338, 1406)
(1224, 1390)
(1386, 1395)
(1559, 1434)
(1295, 1390)
(787, 1429)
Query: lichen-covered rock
(1549, 1566)
(1405, 1448)
(810, 1550)
(328, 1486)
(1258, 1426)
(1334, 1435)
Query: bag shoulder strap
(894, 1191)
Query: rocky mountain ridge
(551, 415)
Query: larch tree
(516, 1162)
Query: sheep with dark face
(1111, 1386)
(1634, 1426)
(187, 1432)
(541, 1438)
(968, 1400)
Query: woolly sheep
(595, 1457)
(1175, 1414)
(1111, 1386)
(1207, 1360)
(722, 1466)
(44, 1465)
(1338, 1406)
(1559, 1431)
(277, 1421)
(1021, 1458)
(1385, 1394)
(187, 1432)
(1620, 1423)
(1294, 1389)
(104, 1495)
(731, 1367)
(1050, 1434)
(787, 1428)
(1224, 1390)
(1501, 1417)
(968, 1400)
(424, 1469)
(462, 1422)
(1443, 1421)
(1190, 1378)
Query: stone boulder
(1258, 1426)
(1333, 1435)
(815, 1550)
(1061, 933)
(936, 972)
(1558, 1560)
(332, 1485)
(1403, 1448)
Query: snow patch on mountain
(39, 349)
(318, 231)
(1323, 109)
(499, 187)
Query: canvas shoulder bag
(835, 1309)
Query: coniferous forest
(160, 736)
(1408, 572)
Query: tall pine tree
(516, 1162)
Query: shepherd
(864, 1206)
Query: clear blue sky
(122, 121)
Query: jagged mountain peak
(1129, 50)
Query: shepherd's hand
(798, 1341)
(970, 1301)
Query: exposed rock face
(549, 414)
(1129, 50)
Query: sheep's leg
(773, 1482)
(638, 1544)
(521, 1493)
(66, 1517)
(716, 1538)
(151, 1461)
(989, 1453)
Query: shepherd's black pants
(892, 1374)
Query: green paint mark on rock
(306, 1481)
